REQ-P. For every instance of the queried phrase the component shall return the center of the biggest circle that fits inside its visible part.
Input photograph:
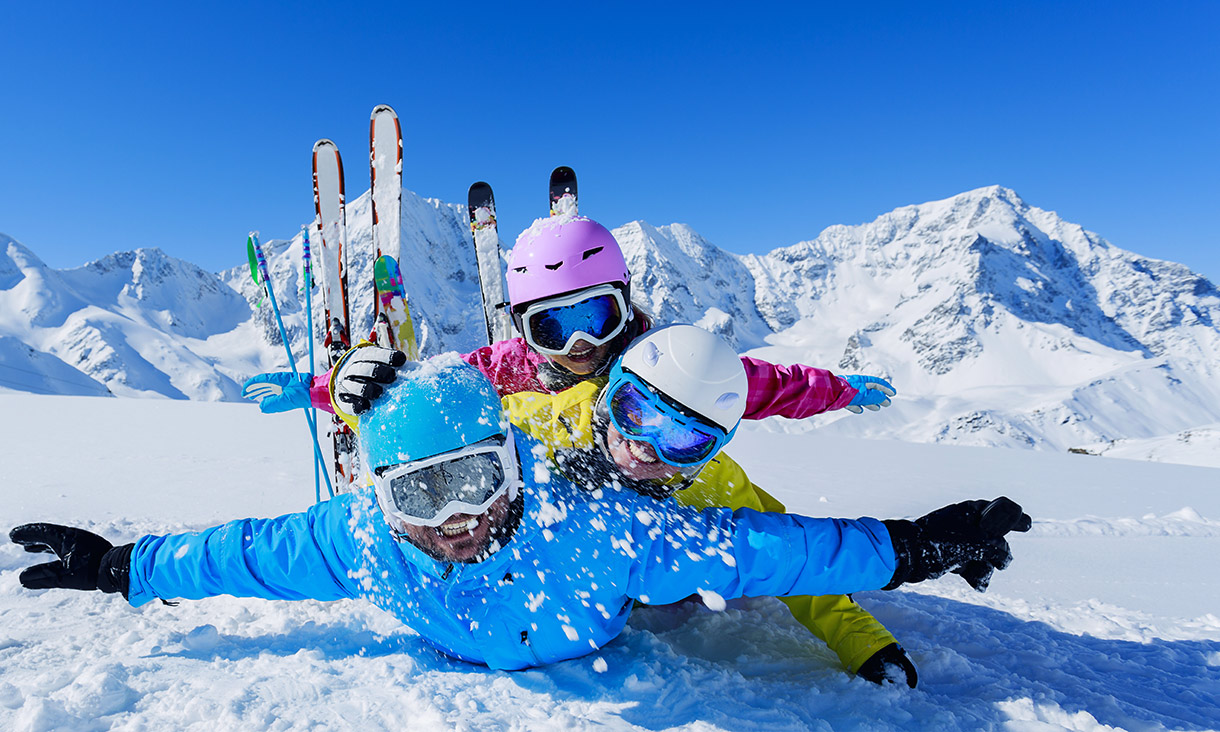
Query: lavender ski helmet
(562, 254)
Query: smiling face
(583, 358)
(635, 458)
(463, 538)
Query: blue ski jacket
(561, 587)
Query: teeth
(639, 453)
(459, 527)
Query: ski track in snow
(1056, 644)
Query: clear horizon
(1104, 114)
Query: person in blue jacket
(466, 537)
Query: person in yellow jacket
(657, 424)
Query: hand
(890, 665)
(872, 393)
(361, 374)
(86, 561)
(965, 538)
(278, 391)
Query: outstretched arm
(751, 554)
(299, 556)
(795, 391)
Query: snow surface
(1108, 619)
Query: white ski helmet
(693, 369)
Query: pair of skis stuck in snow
(392, 324)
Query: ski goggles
(429, 492)
(639, 412)
(595, 315)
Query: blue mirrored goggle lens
(636, 416)
(597, 316)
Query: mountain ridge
(999, 322)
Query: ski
(328, 235)
(482, 205)
(392, 327)
(563, 191)
(328, 198)
(385, 171)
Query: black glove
(361, 373)
(889, 665)
(966, 538)
(86, 560)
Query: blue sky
(183, 126)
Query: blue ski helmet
(433, 407)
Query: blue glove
(279, 391)
(872, 393)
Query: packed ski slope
(1108, 619)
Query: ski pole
(308, 266)
(258, 266)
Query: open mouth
(640, 452)
(456, 528)
(581, 354)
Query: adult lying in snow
(466, 537)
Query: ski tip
(324, 143)
(252, 237)
(480, 195)
(563, 191)
(383, 109)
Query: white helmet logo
(727, 400)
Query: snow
(1108, 619)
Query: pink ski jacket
(795, 391)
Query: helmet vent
(554, 266)
(651, 354)
(590, 252)
(727, 400)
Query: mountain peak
(16, 257)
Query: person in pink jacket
(570, 294)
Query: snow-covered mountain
(1000, 323)
(133, 324)
(1007, 324)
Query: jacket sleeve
(300, 556)
(319, 392)
(746, 553)
(795, 391)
